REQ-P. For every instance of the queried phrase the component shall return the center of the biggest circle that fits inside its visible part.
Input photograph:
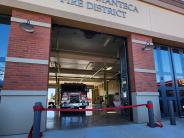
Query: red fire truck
(74, 95)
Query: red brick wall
(29, 45)
(141, 59)
(24, 76)
(145, 82)
(21, 76)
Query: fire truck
(74, 95)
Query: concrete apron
(120, 131)
(17, 109)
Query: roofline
(171, 5)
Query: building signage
(117, 8)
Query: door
(169, 76)
(178, 68)
(124, 91)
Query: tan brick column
(26, 73)
(142, 76)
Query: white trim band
(141, 42)
(27, 60)
(146, 93)
(23, 93)
(144, 70)
(36, 23)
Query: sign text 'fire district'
(117, 8)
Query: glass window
(181, 93)
(180, 81)
(158, 80)
(168, 81)
(182, 104)
(4, 32)
(156, 60)
(170, 93)
(4, 35)
(165, 59)
(177, 61)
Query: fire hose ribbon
(40, 108)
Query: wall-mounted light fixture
(148, 46)
(27, 26)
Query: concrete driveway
(118, 131)
(122, 131)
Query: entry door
(178, 68)
(169, 68)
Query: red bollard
(151, 122)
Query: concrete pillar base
(16, 110)
(140, 114)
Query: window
(166, 63)
(156, 60)
(4, 35)
(177, 59)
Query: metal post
(151, 122)
(171, 113)
(105, 88)
(37, 120)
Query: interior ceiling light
(107, 41)
(27, 26)
(112, 112)
(109, 68)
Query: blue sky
(4, 35)
(4, 32)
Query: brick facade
(29, 45)
(141, 59)
(22, 76)
(26, 76)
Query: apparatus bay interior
(92, 58)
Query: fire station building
(131, 47)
